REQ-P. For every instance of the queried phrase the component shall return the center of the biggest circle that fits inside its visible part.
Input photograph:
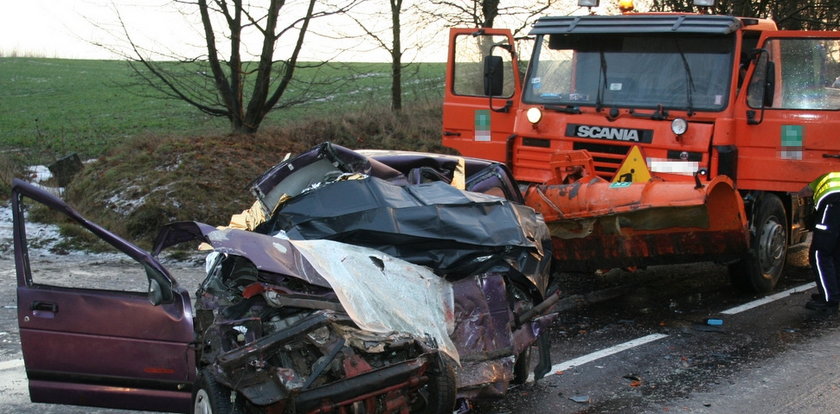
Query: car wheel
(210, 397)
(439, 393)
(761, 270)
(522, 366)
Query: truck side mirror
(762, 87)
(769, 84)
(494, 75)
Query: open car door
(94, 334)
(483, 88)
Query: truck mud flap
(596, 224)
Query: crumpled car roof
(428, 222)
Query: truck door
(89, 332)
(482, 92)
(789, 115)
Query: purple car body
(151, 355)
(77, 352)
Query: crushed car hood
(379, 292)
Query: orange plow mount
(596, 224)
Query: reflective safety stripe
(820, 270)
(827, 184)
(820, 273)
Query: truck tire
(210, 397)
(761, 270)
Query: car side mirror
(155, 293)
(160, 290)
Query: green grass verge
(52, 107)
(160, 160)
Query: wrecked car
(357, 282)
(266, 324)
(462, 218)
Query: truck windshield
(688, 72)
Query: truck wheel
(439, 393)
(210, 397)
(761, 270)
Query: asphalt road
(627, 343)
(775, 357)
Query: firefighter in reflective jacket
(825, 240)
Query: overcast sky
(69, 29)
(66, 28)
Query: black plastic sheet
(454, 232)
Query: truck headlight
(534, 115)
(679, 126)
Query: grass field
(52, 107)
(159, 160)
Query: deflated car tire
(439, 393)
(210, 397)
(522, 367)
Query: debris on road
(581, 399)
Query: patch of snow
(170, 167)
(368, 75)
(41, 237)
(38, 173)
(125, 206)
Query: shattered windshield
(687, 72)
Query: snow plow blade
(596, 224)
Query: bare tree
(228, 81)
(484, 13)
(789, 15)
(396, 54)
(388, 39)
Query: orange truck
(655, 138)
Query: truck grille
(607, 158)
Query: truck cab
(698, 96)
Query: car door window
(72, 256)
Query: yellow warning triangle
(634, 168)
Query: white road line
(602, 353)
(14, 363)
(654, 337)
(768, 299)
